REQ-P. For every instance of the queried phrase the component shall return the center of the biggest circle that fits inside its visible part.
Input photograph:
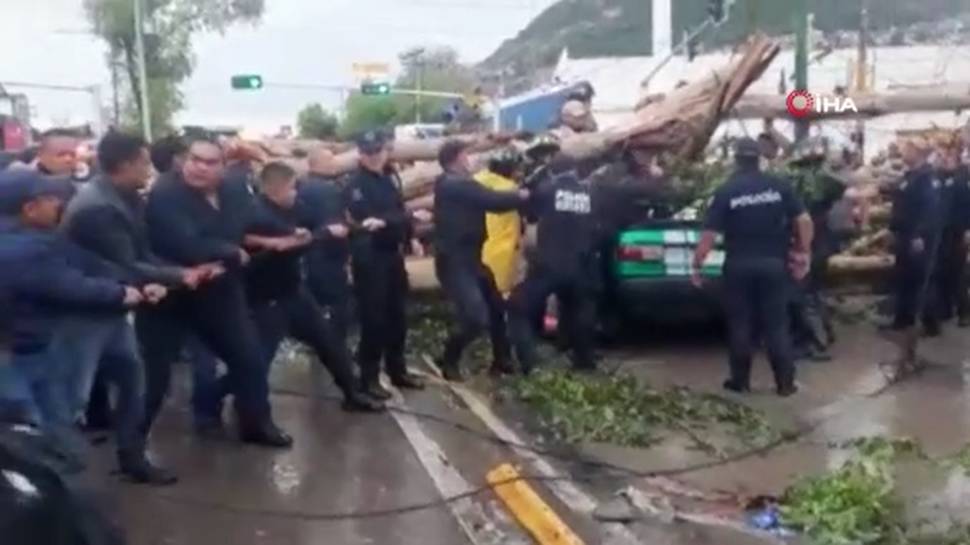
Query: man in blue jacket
(45, 279)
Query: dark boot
(139, 469)
(452, 373)
(264, 433)
(358, 402)
(376, 390)
(408, 381)
(501, 368)
(732, 385)
(787, 390)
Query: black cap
(747, 147)
(371, 142)
(19, 187)
(450, 151)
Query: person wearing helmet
(503, 230)
(812, 329)
(757, 215)
(563, 264)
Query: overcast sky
(298, 41)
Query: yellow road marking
(529, 509)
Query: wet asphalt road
(244, 495)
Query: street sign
(375, 88)
(247, 82)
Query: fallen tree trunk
(940, 98)
(408, 151)
(847, 264)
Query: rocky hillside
(622, 27)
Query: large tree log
(846, 264)
(939, 99)
(407, 151)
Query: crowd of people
(169, 251)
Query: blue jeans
(35, 386)
(84, 344)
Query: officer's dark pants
(954, 296)
(381, 284)
(329, 285)
(575, 292)
(758, 294)
(297, 315)
(916, 287)
(470, 286)
(219, 315)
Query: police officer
(282, 305)
(916, 226)
(953, 247)
(195, 219)
(460, 207)
(564, 264)
(757, 215)
(382, 226)
(325, 212)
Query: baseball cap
(371, 142)
(18, 188)
(747, 147)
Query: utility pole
(417, 97)
(801, 61)
(146, 116)
(862, 71)
(115, 99)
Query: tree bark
(940, 98)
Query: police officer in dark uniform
(916, 226)
(282, 305)
(955, 199)
(195, 219)
(564, 264)
(322, 199)
(381, 227)
(460, 206)
(757, 215)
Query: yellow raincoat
(503, 233)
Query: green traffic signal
(249, 82)
(375, 89)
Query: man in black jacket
(193, 220)
(381, 228)
(325, 211)
(955, 200)
(916, 225)
(282, 305)
(460, 206)
(107, 218)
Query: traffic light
(247, 82)
(375, 88)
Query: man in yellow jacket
(500, 253)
